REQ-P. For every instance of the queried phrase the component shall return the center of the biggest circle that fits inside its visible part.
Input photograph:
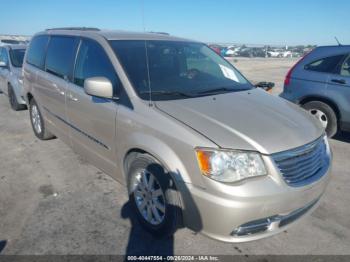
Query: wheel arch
(146, 144)
(29, 97)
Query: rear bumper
(290, 97)
(251, 216)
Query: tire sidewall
(12, 98)
(170, 222)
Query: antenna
(146, 53)
(143, 15)
(336, 39)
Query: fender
(156, 148)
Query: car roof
(115, 34)
(334, 47)
(15, 46)
(325, 51)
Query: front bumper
(267, 205)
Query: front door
(92, 119)
(338, 89)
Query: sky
(283, 22)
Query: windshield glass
(17, 56)
(176, 69)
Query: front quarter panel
(171, 142)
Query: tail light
(289, 74)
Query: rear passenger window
(36, 51)
(60, 55)
(327, 65)
(92, 61)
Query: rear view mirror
(267, 86)
(98, 86)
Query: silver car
(195, 143)
(11, 80)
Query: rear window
(326, 65)
(60, 55)
(36, 51)
(345, 67)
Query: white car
(11, 80)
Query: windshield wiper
(220, 90)
(164, 92)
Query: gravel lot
(54, 202)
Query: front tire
(153, 196)
(38, 122)
(13, 100)
(325, 114)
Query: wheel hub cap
(321, 116)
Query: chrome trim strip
(303, 165)
(302, 150)
(267, 224)
(77, 129)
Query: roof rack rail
(75, 28)
(160, 33)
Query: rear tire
(38, 122)
(161, 214)
(325, 114)
(13, 100)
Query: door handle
(73, 98)
(339, 81)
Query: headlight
(230, 166)
(20, 81)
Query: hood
(246, 120)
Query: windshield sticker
(229, 73)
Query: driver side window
(92, 61)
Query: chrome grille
(305, 164)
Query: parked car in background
(251, 52)
(11, 42)
(320, 83)
(195, 143)
(216, 48)
(11, 79)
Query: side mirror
(3, 64)
(267, 86)
(98, 86)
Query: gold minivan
(193, 140)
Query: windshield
(176, 69)
(17, 56)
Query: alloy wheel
(149, 197)
(36, 119)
